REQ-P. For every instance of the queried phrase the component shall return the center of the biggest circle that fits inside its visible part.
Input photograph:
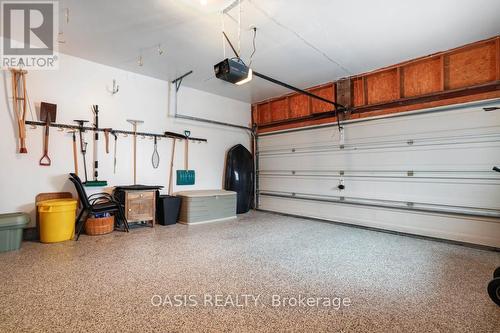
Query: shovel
(75, 152)
(186, 177)
(47, 115)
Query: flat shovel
(186, 176)
(47, 115)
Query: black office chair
(97, 203)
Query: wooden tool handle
(106, 140)
(135, 154)
(75, 156)
(45, 160)
(186, 161)
(171, 169)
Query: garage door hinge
(410, 173)
(410, 204)
(293, 150)
(410, 142)
(293, 172)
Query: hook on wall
(116, 88)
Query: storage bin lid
(56, 205)
(204, 193)
(14, 220)
(56, 202)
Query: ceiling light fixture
(247, 79)
(203, 2)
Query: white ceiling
(303, 43)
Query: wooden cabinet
(140, 206)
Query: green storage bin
(11, 230)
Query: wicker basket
(99, 226)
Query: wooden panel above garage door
(464, 74)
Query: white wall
(75, 87)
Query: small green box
(11, 230)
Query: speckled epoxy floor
(116, 282)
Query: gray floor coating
(388, 283)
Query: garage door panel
(427, 126)
(437, 162)
(471, 193)
(447, 157)
(482, 231)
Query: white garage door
(427, 173)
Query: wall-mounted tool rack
(88, 128)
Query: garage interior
(250, 166)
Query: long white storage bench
(205, 206)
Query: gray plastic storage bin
(11, 230)
(207, 206)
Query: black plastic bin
(167, 209)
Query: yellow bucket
(57, 220)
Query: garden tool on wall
(155, 159)
(19, 98)
(114, 154)
(83, 144)
(75, 153)
(134, 124)
(170, 187)
(106, 138)
(186, 177)
(47, 115)
(96, 181)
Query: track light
(140, 61)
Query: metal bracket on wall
(178, 81)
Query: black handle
(497, 169)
